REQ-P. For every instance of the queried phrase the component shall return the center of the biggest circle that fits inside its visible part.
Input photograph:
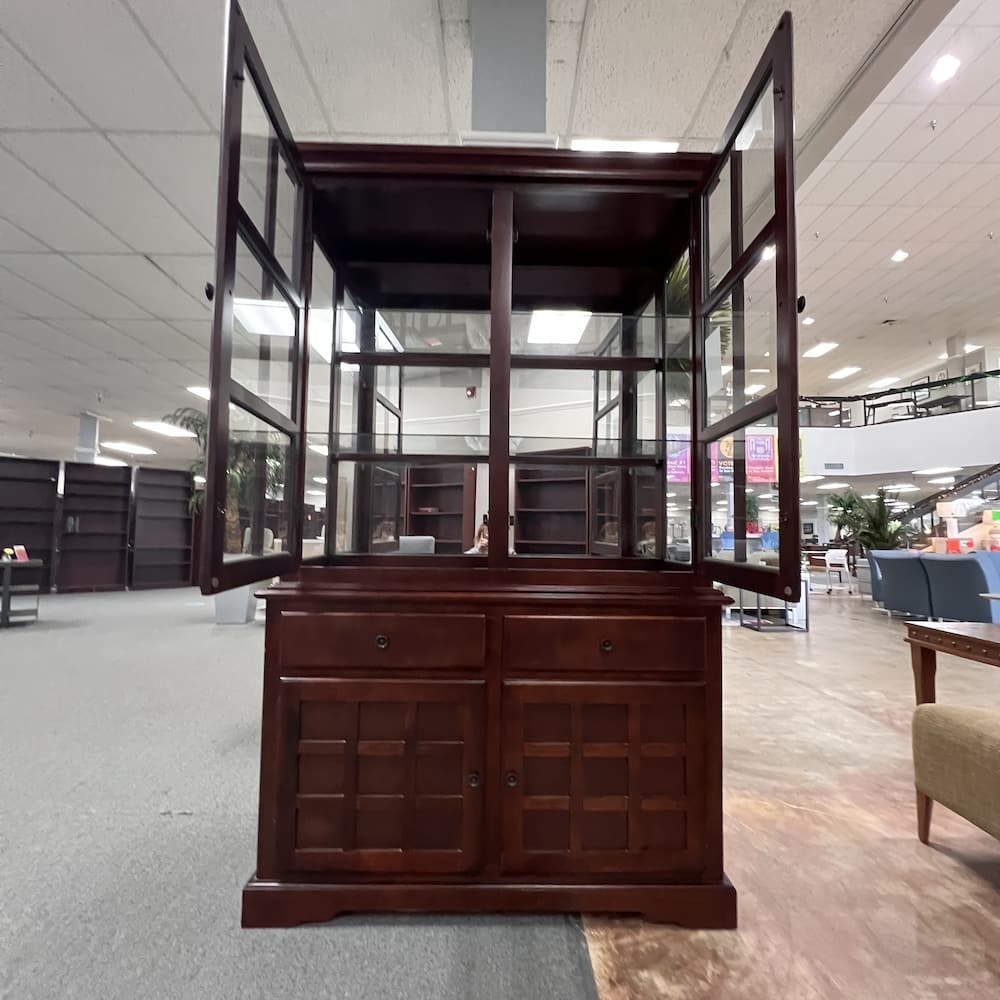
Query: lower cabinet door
(603, 778)
(381, 775)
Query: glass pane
(718, 362)
(578, 333)
(386, 422)
(679, 391)
(410, 509)
(314, 501)
(645, 405)
(754, 150)
(759, 327)
(267, 187)
(259, 470)
(320, 336)
(385, 440)
(264, 333)
(608, 430)
(432, 330)
(387, 383)
(720, 228)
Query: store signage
(761, 455)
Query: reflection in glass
(718, 362)
(582, 334)
(432, 330)
(755, 149)
(320, 330)
(264, 333)
(258, 472)
(720, 228)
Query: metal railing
(932, 398)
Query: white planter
(237, 606)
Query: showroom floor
(128, 734)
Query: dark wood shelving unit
(94, 535)
(162, 529)
(28, 498)
(550, 511)
(451, 489)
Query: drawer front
(574, 642)
(344, 639)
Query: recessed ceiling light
(809, 503)
(623, 146)
(942, 480)
(557, 326)
(670, 495)
(108, 460)
(810, 479)
(969, 348)
(819, 350)
(808, 321)
(901, 488)
(201, 391)
(128, 447)
(320, 449)
(899, 256)
(768, 252)
(161, 427)
(881, 383)
(938, 470)
(752, 390)
(678, 402)
(760, 371)
(748, 490)
(945, 68)
(845, 372)
(721, 503)
(315, 493)
(834, 486)
(199, 480)
(869, 496)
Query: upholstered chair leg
(924, 806)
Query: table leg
(924, 673)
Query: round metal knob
(474, 779)
(511, 779)
(382, 641)
(606, 645)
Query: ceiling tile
(894, 121)
(97, 53)
(144, 282)
(88, 169)
(31, 300)
(29, 100)
(41, 211)
(958, 141)
(13, 239)
(104, 339)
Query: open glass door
(258, 368)
(745, 346)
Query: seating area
(927, 585)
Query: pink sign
(761, 459)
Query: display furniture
(28, 497)
(161, 529)
(19, 590)
(537, 728)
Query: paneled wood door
(388, 774)
(603, 778)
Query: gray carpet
(128, 790)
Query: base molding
(288, 904)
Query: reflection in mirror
(398, 508)
(258, 472)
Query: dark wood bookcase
(161, 529)
(550, 510)
(441, 501)
(94, 536)
(28, 512)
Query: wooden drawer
(344, 639)
(571, 642)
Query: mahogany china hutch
(590, 354)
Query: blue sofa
(957, 581)
(900, 583)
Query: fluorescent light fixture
(557, 326)
(768, 252)
(845, 372)
(752, 390)
(320, 479)
(760, 371)
(108, 460)
(882, 383)
(942, 480)
(678, 402)
(810, 479)
(670, 495)
(809, 503)
(938, 470)
(833, 413)
(623, 146)
(264, 317)
(869, 496)
(721, 503)
(162, 427)
(969, 348)
(901, 488)
(834, 486)
(201, 391)
(128, 447)
(820, 349)
(199, 480)
(767, 496)
(315, 493)
(748, 490)
(808, 321)
(945, 68)
(320, 449)
(899, 256)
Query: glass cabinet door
(746, 473)
(258, 405)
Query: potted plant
(878, 529)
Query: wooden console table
(978, 641)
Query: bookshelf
(441, 501)
(94, 532)
(28, 497)
(550, 510)
(162, 536)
